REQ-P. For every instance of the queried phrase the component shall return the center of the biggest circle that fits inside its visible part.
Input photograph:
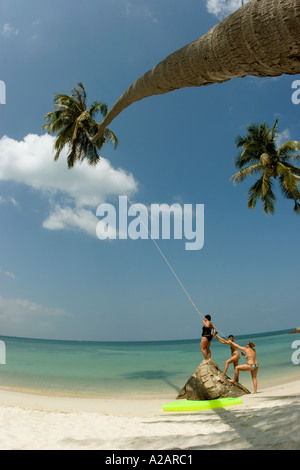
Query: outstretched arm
(237, 346)
(223, 341)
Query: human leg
(237, 371)
(254, 379)
(229, 361)
(208, 349)
(204, 346)
(233, 359)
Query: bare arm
(213, 328)
(208, 324)
(237, 346)
(223, 341)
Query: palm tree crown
(260, 155)
(75, 127)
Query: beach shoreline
(267, 420)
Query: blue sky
(57, 279)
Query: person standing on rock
(252, 363)
(235, 355)
(207, 336)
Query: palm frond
(80, 94)
(289, 166)
(262, 189)
(289, 185)
(240, 176)
(254, 193)
(287, 149)
(246, 157)
(75, 127)
(268, 202)
(111, 137)
(98, 106)
(297, 207)
(274, 130)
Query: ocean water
(122, 369)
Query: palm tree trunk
(262, 38)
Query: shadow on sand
(153, 375)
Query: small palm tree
(75, 127)
(260, 155)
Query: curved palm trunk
(262, 39)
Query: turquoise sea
(146, 369)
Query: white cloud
(140, 11)
(7, 273)
(24, 318)
(221, 8)
(23, 310)
(282, 137)
(9, 200)
(9, 30)
(63, 218)
(73, 194)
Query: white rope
(169, 265)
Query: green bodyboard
(195, 405)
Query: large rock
(208, 383)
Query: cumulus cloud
(73, 194)
(21, 310)
(9, 200)
(221, 8)
(24, 318)
(66, 218)
(9, 274)
(139, 11)
(9, 30)
(282, 137)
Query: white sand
(268, 420)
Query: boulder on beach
(208, 383)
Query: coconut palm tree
(75, 126)
(261, 156)
(262, 38)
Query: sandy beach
(265, 421)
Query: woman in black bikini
(207, 336)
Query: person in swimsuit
(252, 363)
(207, 336)
(235, 355)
